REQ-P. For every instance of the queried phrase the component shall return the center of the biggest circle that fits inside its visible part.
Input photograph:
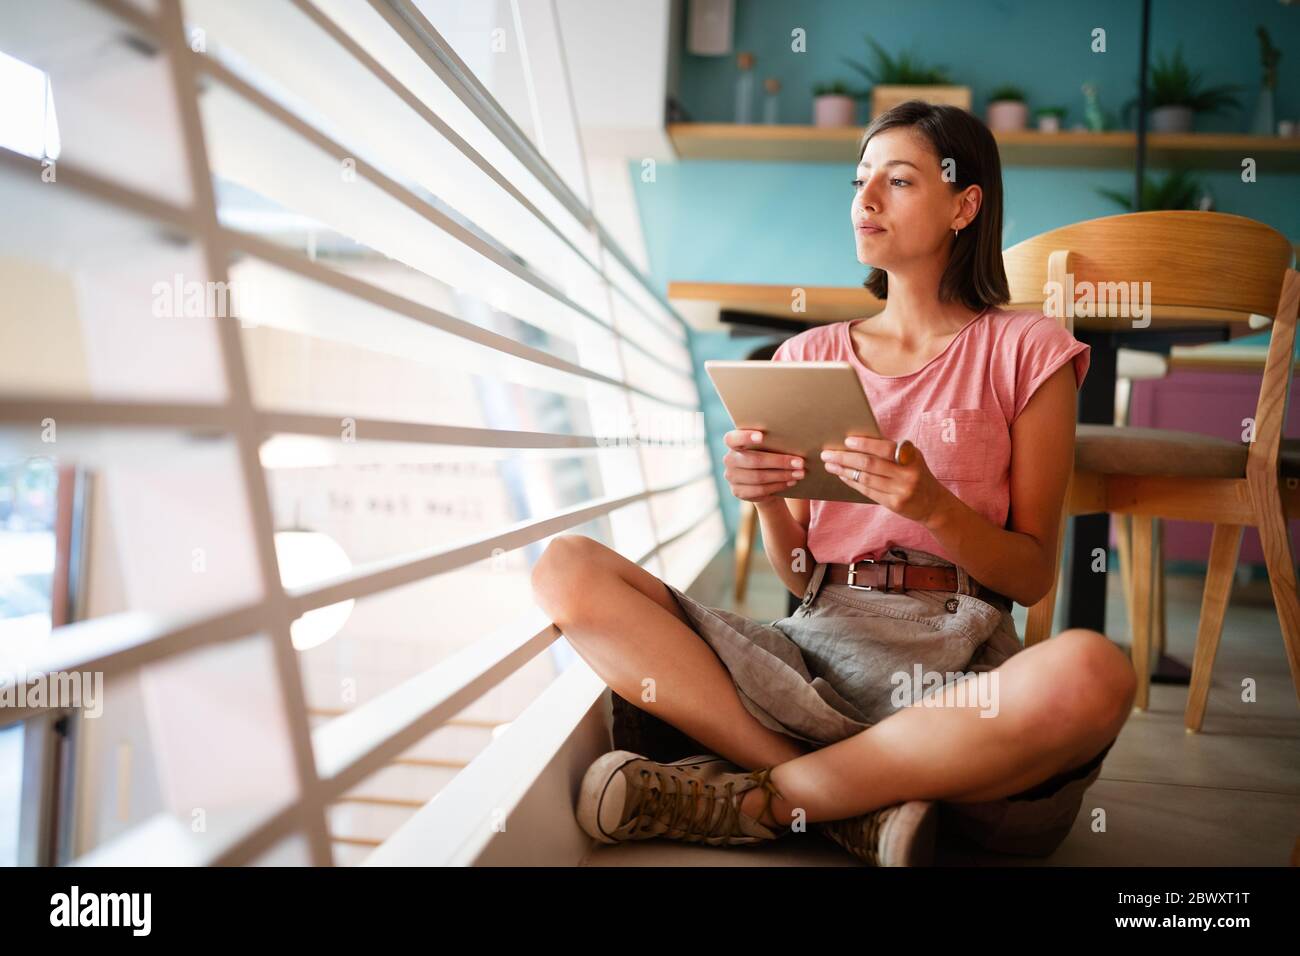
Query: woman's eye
(857, 184)
(903, 181)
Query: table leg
(1168, 670)
(1086, 588)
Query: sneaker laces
(679, 809)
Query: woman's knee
(563, 576)
(1074, 686)
(1103, 683)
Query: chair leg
(745, 546)
(1275, 538)
(1038, 625)
(1225, 546)
(1158, 593)
(1142, 593)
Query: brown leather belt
(895, 576)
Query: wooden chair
(746, 532)
(1193, 260)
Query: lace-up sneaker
(626, 796)
(898, 835)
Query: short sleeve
(1043, 349)
(783, 351)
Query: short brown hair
(975, 273)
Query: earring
(954, 233)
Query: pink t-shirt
(957, 410)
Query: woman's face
(900, 189)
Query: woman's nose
(867, 197)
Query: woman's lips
(870, 230)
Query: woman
(880, 715)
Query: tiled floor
(1228, 796)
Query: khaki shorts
(832, 668)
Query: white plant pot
(835, 110)
(1007, 115)
(1171, 119)
(1049, 123)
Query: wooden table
(1220, 357)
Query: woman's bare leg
(1059, 703)
(625, 624)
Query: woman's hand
(756, 475)
(907, 489)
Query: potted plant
(834, 104)
(1050, 118)
(905, 77)
(1007, 111)
(1178, 190)
(1177, 95)
(1268, 57)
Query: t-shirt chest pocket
(955, 442)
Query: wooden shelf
(1114, 150)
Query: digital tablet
(801, 408)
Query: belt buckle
(853, 573)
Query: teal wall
(788, 222)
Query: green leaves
(1178, 190)
(1008, 93)
(838, 88)
(906, 69)
(1173, 83)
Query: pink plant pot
(835, 110)
(1007, 115)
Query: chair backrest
(1203, 263)
(1192, 260)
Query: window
(28, 495)
(11, 778)
(381, 328)
(28, 123)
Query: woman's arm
(1017, 561)
(785, 540)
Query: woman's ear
(971, 202)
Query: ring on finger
(857, 474)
